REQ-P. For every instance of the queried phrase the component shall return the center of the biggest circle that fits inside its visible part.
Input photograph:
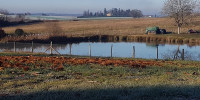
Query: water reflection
(120, 49)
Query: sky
(78, 6)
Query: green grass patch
(95, 82)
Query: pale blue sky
(78, 6)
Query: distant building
(109, 14)
(148, 16)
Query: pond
(103, 49)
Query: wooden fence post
(111, 50)
(14, 46)
(66, 49)
(70, 50)
(133, 51)
(89, 50)
(51, 47)
(157, 52)
(183, 55)
(32, 47)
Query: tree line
(6, 20)
(3, 18)
(114, 12)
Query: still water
(103, 49)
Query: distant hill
(55, 14)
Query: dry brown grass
(106, 27)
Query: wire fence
(48, 48)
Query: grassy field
(92, 81)
(132, 28)
(106, 27)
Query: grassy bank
(89, 80)
(189, 39)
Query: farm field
(87, 30)
(44, 77)
(130, 26)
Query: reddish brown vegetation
(56, 63)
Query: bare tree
(20, 17)
(54, 28)
(136, 13)
(3, 14)
(180, 10)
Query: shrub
(19, 32)
(2, 33)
